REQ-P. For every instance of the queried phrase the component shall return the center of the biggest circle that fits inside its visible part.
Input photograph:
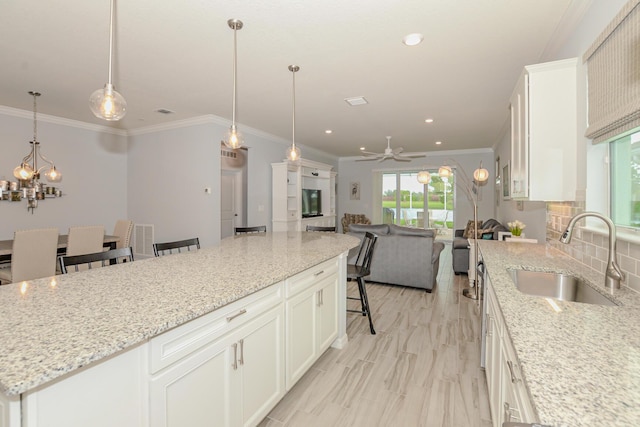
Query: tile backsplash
(590, 248)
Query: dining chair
(247, 230)
(359, 270)
(167, 248)
(85, 239)
(123, 230)
(33, 255)
(105, 258)
(321, 228)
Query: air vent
(356, 100)
(143, 236)
(164, 111)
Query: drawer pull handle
(319, 273)
(235, 356)
(241, 352)
(240, 313)
(513, 376)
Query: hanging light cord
(235, 66)
(293, 133)
(110, 41)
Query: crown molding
(24, 114)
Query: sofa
(402, 255)
(487, 230)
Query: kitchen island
(56, 329)
(580, 363)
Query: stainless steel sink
(560, 286)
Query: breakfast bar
(73, 336)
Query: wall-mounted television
(311, 203)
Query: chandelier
(28, 173)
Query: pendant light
(233, 138)
(293, 152)
(107, 103)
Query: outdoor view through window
(404, 201)
(625, 180)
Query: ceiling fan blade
(401, 159)
(398, 150)
(364, 159)
(369, 153)
(414, 155)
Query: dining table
(6, 246)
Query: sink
(565, 287)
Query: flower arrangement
(516, 227)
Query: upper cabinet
(544, 132)
(303, 194)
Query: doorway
(231, 209)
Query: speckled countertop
(582, 365)
(50, 327)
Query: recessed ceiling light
(428, 121)
(362, 148)
(356, 100)
(328, 131)
(438, 142)
(413, 39)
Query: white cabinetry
(288, 181)
(235, 375)
(544, 132)
(312, 317)
(508, 397)
(9, 411)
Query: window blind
(613, 68)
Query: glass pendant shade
(233, 139)
(53, 175)
(108, 104)
(481, 174)
(23, 172)
(445, 172)
(424, 177)
(293, 153)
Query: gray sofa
(460, 245)
(402, 255)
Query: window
(625, 180)
(407, 202)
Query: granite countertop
(50, 327)
(581, 366)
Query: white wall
(170, 167)
(94, 167)
(350, 170)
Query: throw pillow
(471, 228)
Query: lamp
(28, 173)
(107, 103)
(470, 187)
(424, 177)
(233, 138)
(293, 152)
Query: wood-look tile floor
(422, 368)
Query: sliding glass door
(407, 202)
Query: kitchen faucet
(614, 275)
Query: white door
(230, 202)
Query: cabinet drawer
(307, 278)
(175, 344)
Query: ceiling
(177, 55)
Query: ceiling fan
(394, 154)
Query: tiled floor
(421, 369)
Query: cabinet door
(301, 334)
(493, 358)
(327, 305)
(261, 365)
(518, 181)
(196, 391)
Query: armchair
(349, 219)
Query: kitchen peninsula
(579, 363)
(118, 345)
